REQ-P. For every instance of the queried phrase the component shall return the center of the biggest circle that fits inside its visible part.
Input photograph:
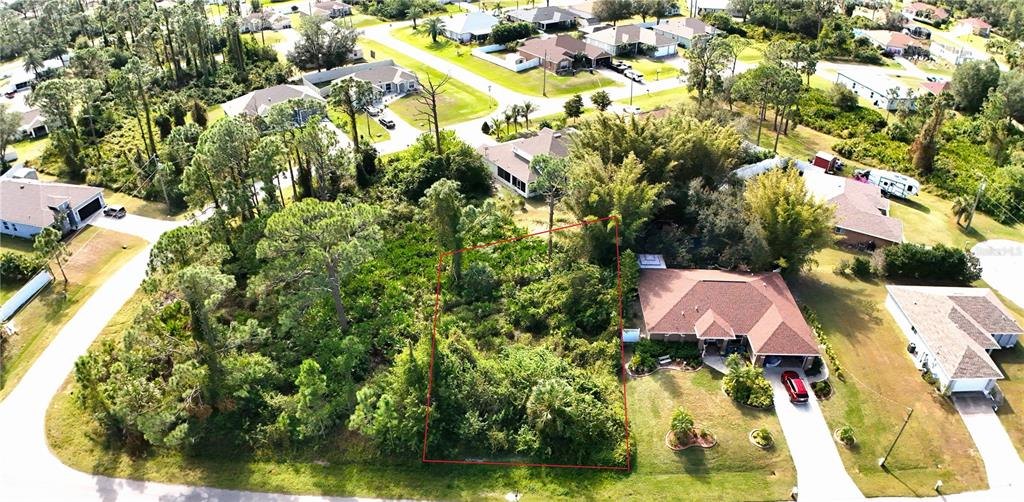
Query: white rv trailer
(890, 183)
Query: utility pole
(977, 197)
(630, 92)
(881, 461)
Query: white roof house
(472, 26)
(259, 102)
(952, 331)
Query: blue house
(28, 206)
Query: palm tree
(549, 406)
(33, 60)
(512, 116)
(525, 110)
(434, 26)
(961, 208)
(496, 125)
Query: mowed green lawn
(376, 132)
(529, 82)
(459, 102)
(95, 255)
(735, 469)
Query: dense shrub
(682, 422)
(642, 363)
(745, 383)
(503, 33)
(834, 113)
(876, 149)
(939, 263)
(17, 266)
(822, 389)
(846, 435)
(687, 352)
(861, 267)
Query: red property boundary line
(622, 352)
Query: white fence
(513, 62)
(25, 294)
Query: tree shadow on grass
(901, 481)
(843, 311)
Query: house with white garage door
(952, 332)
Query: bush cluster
(746, 383)
(17, 266)
(819, 332)
(686, 352)
(939, 263)
(837, 113)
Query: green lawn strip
(667, 98)
(881, 383)
(31, 149)
(733, 470)
(754, 53)
(652, 69)
(376, 132)
(148, 208)
(529, 82)
(96, 254)
(459, 102)
(928, 219)
(1011, 362)
(15, 245)
(266, 37)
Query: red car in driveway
(794, 386)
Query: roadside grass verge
(459, 102)
(96, 254)
(530, 82)
(376, 132)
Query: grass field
(96, 254)
(31, 149)
(266, 37)
(652, 69)
(527, 82)
(659, 99)
(376, 132)
(459, 103)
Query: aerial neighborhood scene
(629, 250)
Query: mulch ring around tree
(673, 443)
(835, 435)
(768, 446)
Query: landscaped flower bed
(699, 437)
(761, 438)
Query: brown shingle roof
(859, 206)
(560, 47)
(759, 306)
(514, 156)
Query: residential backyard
(529, 82)
(95, 255)
(459, 102)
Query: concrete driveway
(1002, 464)
(820, 474)
(1002, 267)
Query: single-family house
(925, 13)
(510, 161)
(564, 53)
(893, 43)
(952, 332)
(684, 31)
(544, 18)
(27, 206)
(266, 19)
(935, 88)
(972, 26)
(876, 14)
(387, 78)
(862, 214)
(331, 9)
(465, 28)
(883, 92)
(956, 54)
(33, 124)
(584, 13)
(632, 39)
(258, 102)
(725, 312)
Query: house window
(839, 230)
(504, 175)
(5, 225)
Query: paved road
(820, 474)
(1002, 463)
(1002, 267)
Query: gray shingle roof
(28, 202)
